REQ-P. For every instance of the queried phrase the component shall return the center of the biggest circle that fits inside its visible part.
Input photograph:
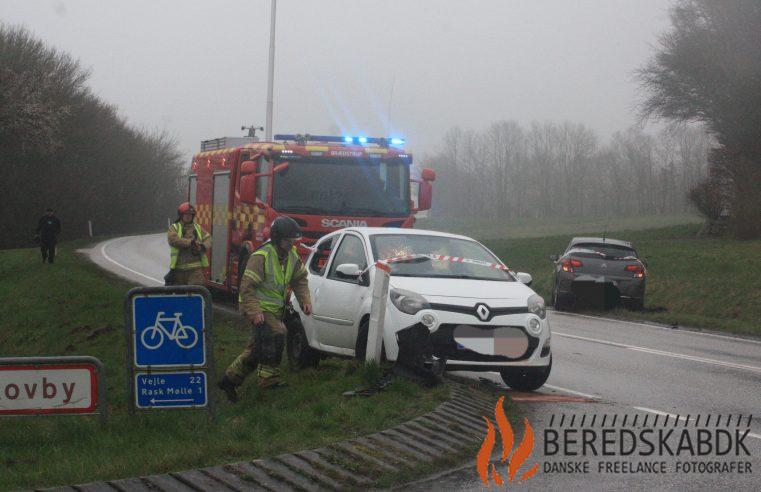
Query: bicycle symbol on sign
(153, 337)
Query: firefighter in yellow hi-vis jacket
(270, 270)
(188, 246)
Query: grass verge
(73, 308)
(701, 282)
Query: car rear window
(609, 250)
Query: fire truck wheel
(300, 354)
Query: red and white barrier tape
(452, 259)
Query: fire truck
(239, 186)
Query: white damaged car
(452, 302)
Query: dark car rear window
(609, 250)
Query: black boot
(230, 388)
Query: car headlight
(536, 306)
(407, 301)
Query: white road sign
(61, 388)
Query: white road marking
(662, 352)
(641, 409)
(664, 414)
(566, 390)
(664, 328)
(105, 255)
(658, 412)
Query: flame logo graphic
(522, 452)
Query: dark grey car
(600, 271)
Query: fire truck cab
(325, 183)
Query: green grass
(73, 308)
(705, 282)
(539, 228)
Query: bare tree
(708, 69)
(561, 170)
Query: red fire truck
(323, 182)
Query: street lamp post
(271, 74)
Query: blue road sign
(170, 390)
(168, 330)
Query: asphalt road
(620, 367)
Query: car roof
(600, 240)
(368, 231)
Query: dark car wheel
(360, 348)
(300, 354)
(559, 301)
(526, 378)
(635, 304)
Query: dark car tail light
(637, 270)
(569, 264)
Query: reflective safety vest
(174, 253)
(271, 291)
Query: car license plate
(506, 341)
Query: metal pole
(271, 74)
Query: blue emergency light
(383, 142)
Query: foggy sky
(198, 68)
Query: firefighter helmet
(186, 208)
(284, 227)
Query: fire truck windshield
(354, 187)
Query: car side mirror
(524, 278)
(348, 270)
(554, 257)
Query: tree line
(65, 148)
(564, 170)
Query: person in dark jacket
(48, 229)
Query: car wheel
(559, 302)
(635, 304)
(360, 348)
(554, 300)
(300, 354)
(526, 378)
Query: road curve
(636, 367)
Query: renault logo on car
(482, 311)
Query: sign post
(52, 386)
(169, 347)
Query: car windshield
(607, 250)
(354, 187)
(387, 246)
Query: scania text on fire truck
(325, 183)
